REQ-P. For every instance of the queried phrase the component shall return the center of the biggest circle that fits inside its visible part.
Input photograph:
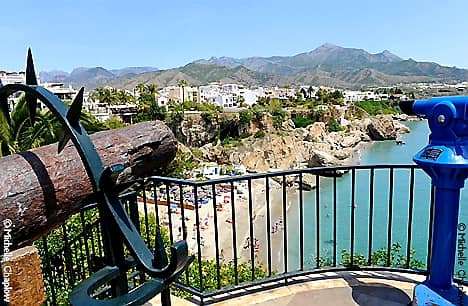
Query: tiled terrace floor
(329, 289)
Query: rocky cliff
(312, 146)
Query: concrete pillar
(22, 277)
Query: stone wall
(22, 277)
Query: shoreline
(206, 232)
(203, 238)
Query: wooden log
(39, 189)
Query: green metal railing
(265, 228)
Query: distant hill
(132, 70)
(328, 65)
(91, 77)
(199, 74)
(334, 59)
(53, 76)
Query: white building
(163, 101)
(209, 93)
(231, 89)
(250, 96)
(58, 89)
(227, 100)
(355, 96)
(13, 77)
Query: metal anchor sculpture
(116, 224)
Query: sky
(68, 34)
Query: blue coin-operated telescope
(445, 160)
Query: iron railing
(260, 231)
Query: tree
(183, 83)
(333, 125)
(103, 95)
(245, 116)
(320, 95)
(21, 135)
(175, 117)
(310, 90)
(148, 107)
(113, 122)
(122, 97)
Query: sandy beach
(219, 218)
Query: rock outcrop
(313, 146)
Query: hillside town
(230, 97)
(240, 153)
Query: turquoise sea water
(383, 152)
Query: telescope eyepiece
(407, 107)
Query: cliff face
(381, 127)
(196, 132)
(312, 146)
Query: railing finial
(31, 80)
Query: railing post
(113, 251)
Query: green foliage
(277, 113)
(301, 122)
(227, 274)
(196, 152)
(180, 166)
(175, 117)
(258, 111)
(260, 134)
(333, 125)
(150, 112)
(326, 97)
(61, 252)
(379, 258)
(21, 136)
(376, 107)
(113, 122)
(210, 116)
(208, 111)
(245, 116)
(148, 108)
(207, 116)
(111, 96)
(278, 118)
(230, 142)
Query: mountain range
(328, 65)
(92, 77)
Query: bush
(379, 258)
(301, 122)
(333, 125)
(175, 117)
(196, 152)
(376, 107)
(207, 116)
(245, 116)
(179, 166)
(260, 134)
(230, 142)
(258, 112)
